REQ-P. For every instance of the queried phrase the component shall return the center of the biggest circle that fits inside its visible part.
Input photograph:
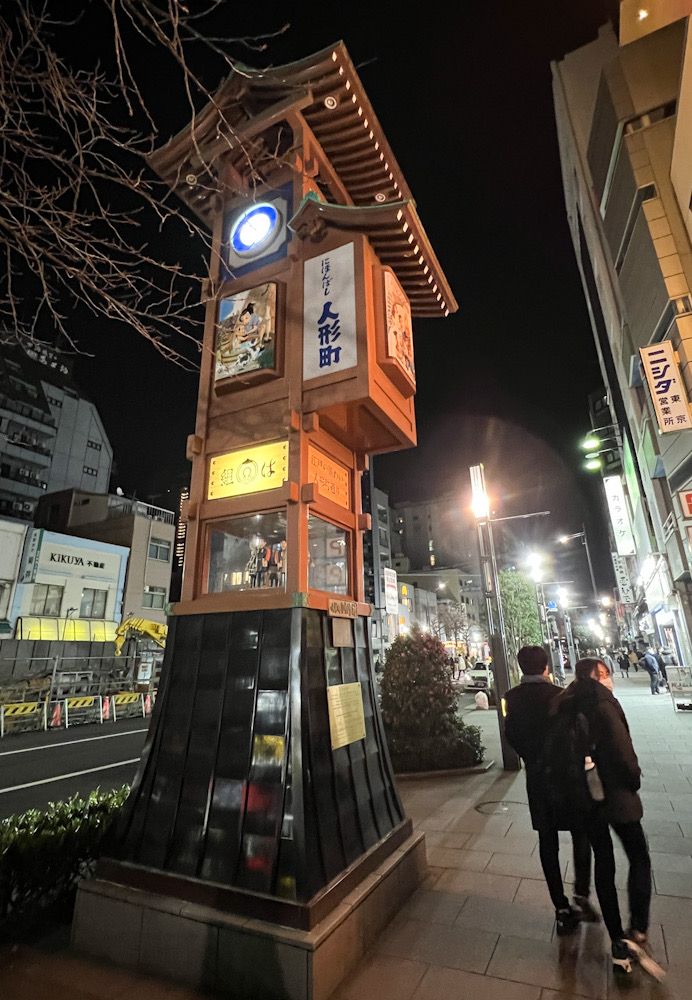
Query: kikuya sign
(619, 515)
(329, 313)
(666, 387)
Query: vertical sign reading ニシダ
(329, 313)
(666, 387)
(619, 515)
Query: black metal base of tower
(239, 802)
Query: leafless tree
(77, 202)
(451, 623)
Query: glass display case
(247, 553)
(328, 556)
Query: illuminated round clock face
(254, 228)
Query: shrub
(419, 708)
(43, 854)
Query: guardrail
(30, 716)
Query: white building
(12, 538)
(68, 588)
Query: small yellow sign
(346, 718)
(251, 470)
(330, 476)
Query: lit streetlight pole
(491, 590)
(582, 534)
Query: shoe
(567, 920)
(586, 912)
(638, 943)
(623, 956)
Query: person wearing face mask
(609, 745)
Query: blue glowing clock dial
(253, 228)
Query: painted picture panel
(246, 332)
(399, 326)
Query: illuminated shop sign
(250, 470)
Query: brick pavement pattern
(482, 927)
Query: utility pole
(493, 601)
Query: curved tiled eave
(326, 91)
(398, 239)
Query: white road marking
(68, 743)
(64, 777)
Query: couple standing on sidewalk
(582, 775)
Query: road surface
(38, 768)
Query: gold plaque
(346, 718)
(339, 607)
(331, 478)
(251, 470)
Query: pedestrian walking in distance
(624, 663)
(607, 795)
(648, 662)
(526, 724)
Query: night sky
(464, 96)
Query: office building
(51, 436)
(623, 108)
(147, 531)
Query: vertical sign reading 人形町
(666, 387)
(619, 515)
(329, 313)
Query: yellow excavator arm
(153, 629)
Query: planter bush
(43, 854)
(419, 708)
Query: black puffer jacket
(613, 752)
(526, 725)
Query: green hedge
(437, 753)
(43, 853)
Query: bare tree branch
(77, 203)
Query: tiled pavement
(481, 927)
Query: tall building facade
(51, 436)
(435, 533)
(624, 119)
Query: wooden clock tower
(265, 794)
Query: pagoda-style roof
(325, 91)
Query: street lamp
(491, 589)
(582, 534)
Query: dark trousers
(549, 851)
(653, 677)
(638, 880)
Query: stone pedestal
(222, 952)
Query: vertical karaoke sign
(666, 387)
(329, 313)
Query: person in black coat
(527, 708)
(591, 694)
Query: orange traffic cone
(57, 715)
(147, 705)
(106, 709)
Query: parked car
(480, 677)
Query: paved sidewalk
(482, 927)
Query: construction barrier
(22, 716)
(128, 705)
(85, 708)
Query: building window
(432, 560)
(5, 591)
(89, 471)
(154, 597)
(159, 548)
(328, 556)
(93, 603)
(46, 599)
(94, 444)
(54, 402)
